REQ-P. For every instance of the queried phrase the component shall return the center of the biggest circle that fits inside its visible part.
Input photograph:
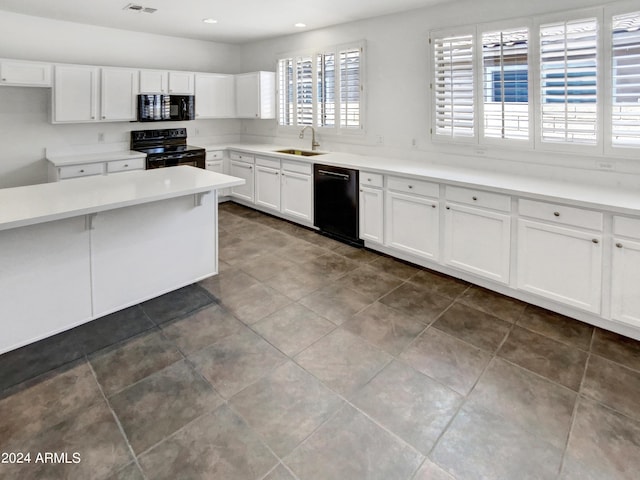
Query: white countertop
(618, 200)
(32, 204)
(83, 158)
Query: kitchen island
(74, 251)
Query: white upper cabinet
(181, 83)
(256, 95)
(75, 94)
(119, 89)
(25, 74)
(215, 95)
(154, 81)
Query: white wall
(25, 127)
(398, 98)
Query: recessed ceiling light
(210, 20)
(300, 25)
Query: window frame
(558, 147)
(502, 26)
(335, 50)
(610, 11)
(445, 33)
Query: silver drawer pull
(595, 240)
(475, 198)
(410, 186)
(557, 214)
(126, 165)
(368, 179)
(619, 245)
(433, 206)
(82, 171)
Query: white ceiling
(239, 21)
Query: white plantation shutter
(286, 92)
(625, 127)
(453, 86)
(350, 85)
(304, 91)
(326, 81)
(505, 84)
(568, 83)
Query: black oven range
(167, 147)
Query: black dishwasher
(336, 202)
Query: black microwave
(159, 108)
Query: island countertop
(32, 204)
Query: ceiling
(239, 21)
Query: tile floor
(309, 359)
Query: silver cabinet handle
(619, 245)
(557, 214)
(126, 165)
(82, 171)
(474, 198)
(595, 240)
(433, 206)
(410, 186)
(448, 208)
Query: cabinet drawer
(371, 179)
(214, 165)
(297, 167)
(417, 187)
(243, 157)
(125, 165)
(479, 198)
(576, 217)
(629, 227)
(72, 171)
(214, 155)
(268, 162)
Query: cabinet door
(248, 95)
(119, 90)
(297, 195)
(215, 96)
(625, 282)
(371, 211)
(268, 187)
(75, 93)
(242, 170)
(27, 74)
(560, 263)
(477, 241)
(153, 81)
(412, 224)
(181, 83)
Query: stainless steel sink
(303, 153)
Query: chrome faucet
(314, 143)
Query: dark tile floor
(309, 359)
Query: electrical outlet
(379, 140)
(605, 165)
(101, 137)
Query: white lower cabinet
(371, 214)
(625, 271)
(412, 217)
(268, 186)
(242, 166)
(477, 241)
(296, 194)
(560, 263)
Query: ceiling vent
(132, 7)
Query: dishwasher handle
(334, 174)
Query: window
(325, 91)
(568, 82)
(625, 76)
(505, 60)
(454, 77)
